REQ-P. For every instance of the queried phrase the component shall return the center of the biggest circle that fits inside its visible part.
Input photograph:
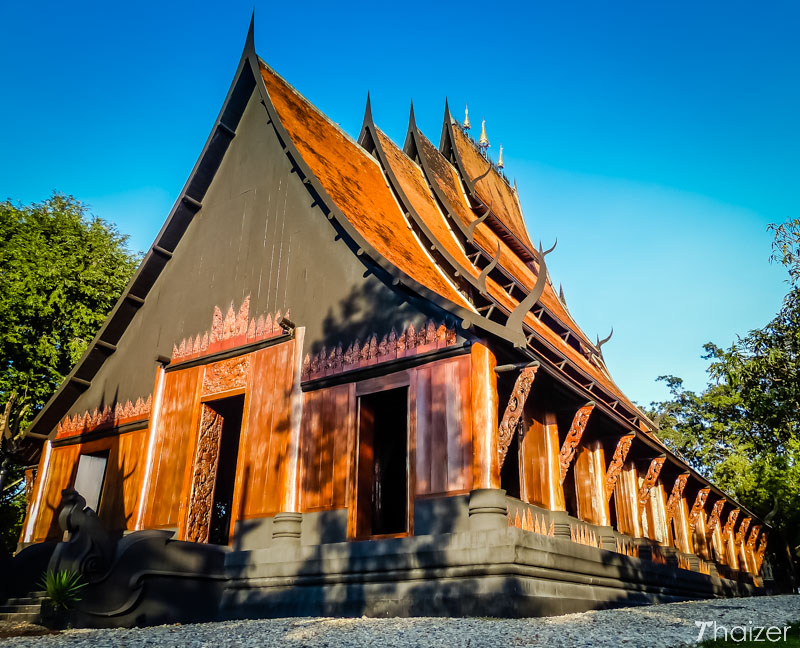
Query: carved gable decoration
(513, 413)
(373, 350)
(617, 463)
(226, 375)
(649, 481)
(574, 435)
(108, 417)
(697, 507)
(233, 330)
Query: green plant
(63, 587)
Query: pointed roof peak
(412, 119)
(368, 110)
(447, 116)
(249, 43)
(483, 142)
(467, 125)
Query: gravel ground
(647, 626)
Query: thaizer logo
(749, 632)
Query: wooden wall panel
(443, 427)
(540, 481)
(174, 448)
(263, 448)
(123, 480)
(60, 475)
(326, 444)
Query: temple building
(343, 368)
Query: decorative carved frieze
(361, 353)
(204, 476)
(574, 435)
(226, 375)
(698, 507)
(509, 425)
(108, 417)
(713, 519)
(649, 481)
(742, 532)
(675, 496)
(728, 529)
(751, 541)
(235, 329)
(617, 463)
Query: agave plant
(63, 587)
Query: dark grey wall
(259, 235)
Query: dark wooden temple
(343, 364)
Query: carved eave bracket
(713, 519)
(698, 507)
(617, 463)
(732, 516)
(762, 547)
(751, 541)
(513, 413)
(649, 481)
(742, 532)
(567, 453)
(675, 496)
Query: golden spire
(500, 164)
(467, 125)
(483, 142)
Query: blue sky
(655, 140)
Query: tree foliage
(743, 430)
(61, 271)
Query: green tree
(743, 430)
(61, 272)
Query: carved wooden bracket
(617, 463)
(742, 532)
(751, 541)
(697, 507)
(762, 547)
(675, 496)
(574, 435)
(731, 521)
(649, 481)
(513, 413)
(713, 519)
(204, 476)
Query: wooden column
(678, 514)
(626, 499)
(39, 493)
(751, 549)
(741, 544)
(485, 463)
(286, 525)
(714, 529)
(658, 515)
(152, 431)
(540, 479)
(651, 511)
(590, 484)
(728, 540)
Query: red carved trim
(574, 435)
(713, 519)
(649, 481)
(617, 463)
(697, 507)
(108, 417)
(225, 375)
(742, 532)
(729, 524)
(751, 541)
(675, 496)
(513, 412)
(373, 351)
(204, 476)
(234, 330)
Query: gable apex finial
(249, 43)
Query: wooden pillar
(485, 462)
(29, 534)
(540, 483)
(729, 542)
(658, 515)
(750, 548)
(152, 433)
(626, 500)
(741, 544)
(286, 525)
(590, 483)
(714, 529)
(697, 524)
(650, 502)
(678, 514)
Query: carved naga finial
(467, 125)
(600, 342)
